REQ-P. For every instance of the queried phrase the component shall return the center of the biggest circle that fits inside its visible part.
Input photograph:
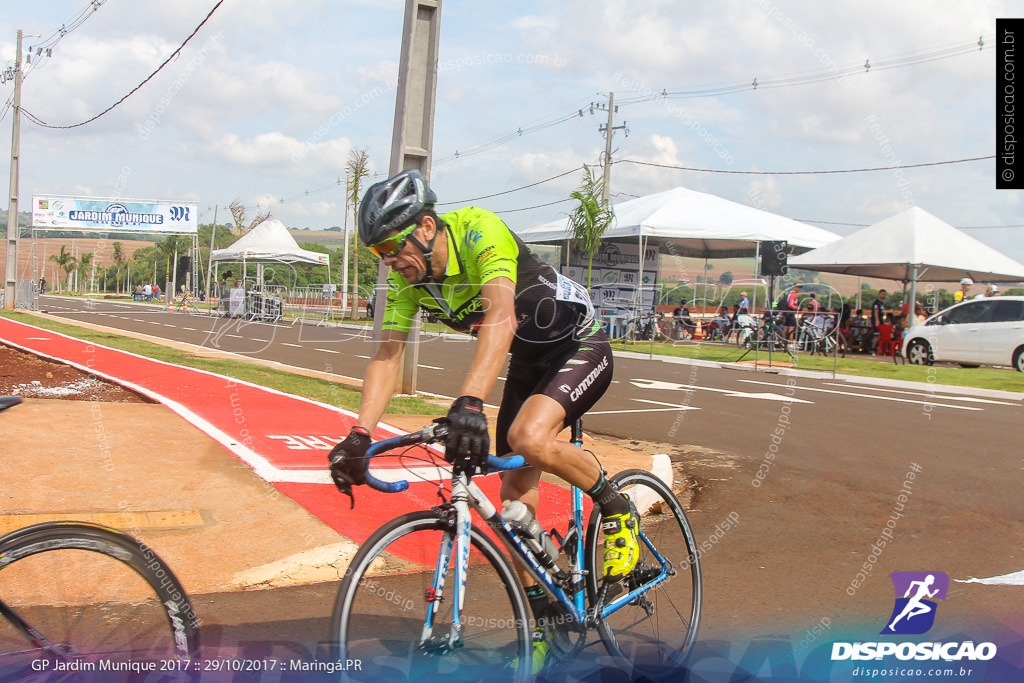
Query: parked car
(977, 332)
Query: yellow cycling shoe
(541, 652)
(621, 545)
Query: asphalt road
(815, 469)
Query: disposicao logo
(913, 613)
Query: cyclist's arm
(381, 378)
(494, 338)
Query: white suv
(981, 331)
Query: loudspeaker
(184, 266)
(774, 257)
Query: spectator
(683, 322)
(860, 331)
(844, 331)
(989, 292)
(886, 336)
(720, 325)
(789, 304)
(878, 310)
(814, 304)
(42, 285)
(961, 294)
(147, 292)
(744, 305)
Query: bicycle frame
(466, 496)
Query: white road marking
(298, 346)
(969, 399)
(430, 367)
(877, 398)
(1014, 579)
(326, 350)
(675, 386)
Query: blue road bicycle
(432, 594)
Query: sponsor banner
(101, 214)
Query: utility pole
(209, 262)
(11, 283)
(609, 130)
(344, 258)
(412, 139)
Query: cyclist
(470, 271)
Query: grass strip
(325, 391)
(1003, 379)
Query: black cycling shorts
(576, 374)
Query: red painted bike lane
(284, 438)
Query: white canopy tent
(695, 224)
(269, 242)
(911, 246)
(684, 222)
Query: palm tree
(357, 168)
(590, 218)
(65, 262)
(239, 214)
(83, 262)
(119, 260)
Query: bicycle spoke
(380, 614)
(657, 629)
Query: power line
(516, 189)
(39, 122)
(845, 170)
(713, 90)
(538, 206)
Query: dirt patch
(26, 375)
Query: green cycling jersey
(549, 307)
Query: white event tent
(689, 223)
(684, 222)
(269, 242)
(912, 246)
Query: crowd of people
(876, 330)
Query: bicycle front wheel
(654, 633)
(80, 597)
(393, 618)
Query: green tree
(726, 278)
(84, 261)
(66, 263)
(239, 214)
(589, 219)
(117, 253)
(357, 167)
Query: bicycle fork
(458, 539)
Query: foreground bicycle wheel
(383, 603)
(654, 633)
(101, 599)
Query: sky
(267, 100)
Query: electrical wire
(845, 170)
(39, 122)
(713, 90)
(516, 189)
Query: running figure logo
(914, 612)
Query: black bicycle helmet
(391, 205)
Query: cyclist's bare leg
(533, 435)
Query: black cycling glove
(467, 433)
(348, 461)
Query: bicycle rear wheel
(655, 632)
(84, 597)
(381, 612)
